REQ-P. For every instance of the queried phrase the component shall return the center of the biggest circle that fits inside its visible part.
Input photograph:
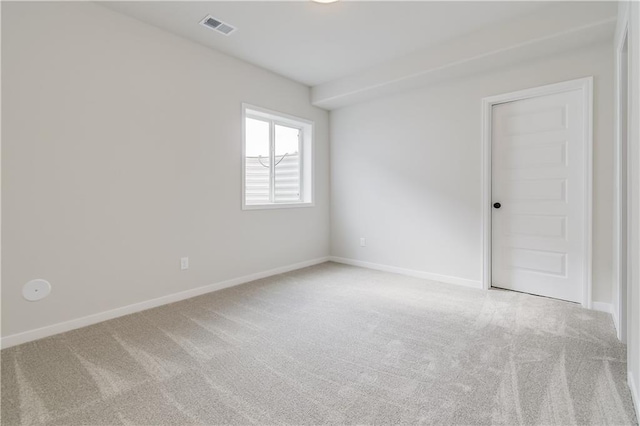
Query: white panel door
(538, 150)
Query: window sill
(276, 206)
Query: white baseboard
(634, 393)
(602, 307)
(616, 320)
(39, 333)
(410, 272)
(607, 308)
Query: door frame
(620, 264)
(585, 85)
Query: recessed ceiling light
(325, 1)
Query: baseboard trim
(616, 320)
(39, 333)
(607, 308)
(603, 307)
(634, 393)
(410, 272)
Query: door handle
(497, 205)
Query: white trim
(307, 128)
(606, 308)
(614, 316)
(619, 263)
(276, 206)
(267, 114)
(584, 84)
(602, 307)
(39, 333)
(635, 397)
(410, 272)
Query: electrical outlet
(363, 242)
(184, 263)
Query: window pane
(257, 168)
(287, 160)
(257, 136)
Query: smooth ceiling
(314, 43)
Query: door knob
(497, 205)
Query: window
(277, 154)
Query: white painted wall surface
(121, 154)
(634, 327)
(630, 12)
(557, 27)
(406, 170)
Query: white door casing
(538, 166)
(622, 164)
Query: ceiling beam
(549, 31)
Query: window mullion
(272, 161)
(300, 165)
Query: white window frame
(306, 151)
(272, 157)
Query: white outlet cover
(36, 290)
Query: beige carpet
(329, 344)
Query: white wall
(630, 12)
(558, 27)
(634, 327)
(633, 354)
(121, 154)
(406, 170)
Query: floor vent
(217, 25)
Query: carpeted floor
(329, 344)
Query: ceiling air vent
(217, 25)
